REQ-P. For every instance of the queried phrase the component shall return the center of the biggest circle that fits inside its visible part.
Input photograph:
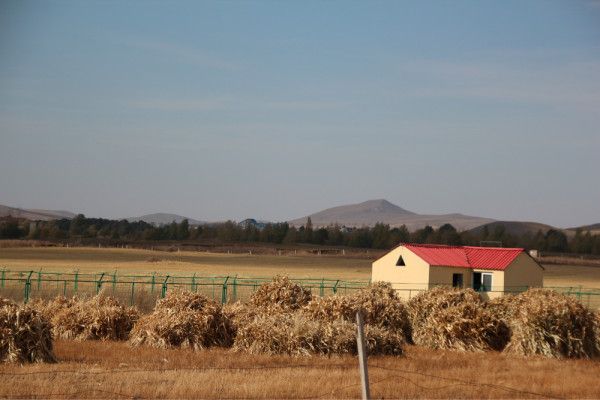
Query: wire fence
(142, 290)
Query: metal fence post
(234, 294)
(153, 282)
(132, 293)
(224, 291)
(114, 281)
(193, 285)
(322, 288)
(335, 286)
(99, 283)
(27, 288)
(76, 282)
(2, 279)
(39, 279)
(163, 292)
(362, 356)
(65, 288)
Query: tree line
(381, 236)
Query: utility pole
(362, 356)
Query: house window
(400, 262)
(457, 280)
(482, 282)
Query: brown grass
(114, 370)
(87, 259)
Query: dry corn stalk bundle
(25, 336)
(281, 294)
(293, 334)
(465, 327)
(298, 335)
(379, 303)
(382, 341)
(238, 314)
(98, 318)
(502, 307)
(551, 324)
(50, 308)
(425, 303)
(183, 319)
(450, 318)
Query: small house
(493, 271)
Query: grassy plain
(124, 261)
(86, 259)
(114, 370)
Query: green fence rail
(144, 289)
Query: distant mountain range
(164, 219)
(371, 212)
(34, 214)
(367, 213)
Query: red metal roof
(496, 258)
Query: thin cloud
(571, 84)
(231, 103)
(185, 53)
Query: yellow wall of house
(407, 280)
(522, 273)
(442, 276)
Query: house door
(457, 280)
(476, 281)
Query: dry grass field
(94, 369)
(124, 261)
(63, 259)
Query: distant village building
(411, 268)
(252, 222)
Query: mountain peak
(370, 212)
(381, 205)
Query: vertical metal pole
(114, 281)
(99, 283)
(164, 288)
(3, 276)
(234, 295)
(132, 293)
(362, 356)
(76, 283)
(224, 292)
(39, 279)
(335, 286)
(65, 288)
(193, 285)
(27, 288)
(322, 288)
(153, 282)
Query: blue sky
(274, 109)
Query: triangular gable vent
(400, 262)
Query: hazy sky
(273, 110)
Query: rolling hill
(35, 214)
(593, 228)
(370, 212)
(516, 228)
